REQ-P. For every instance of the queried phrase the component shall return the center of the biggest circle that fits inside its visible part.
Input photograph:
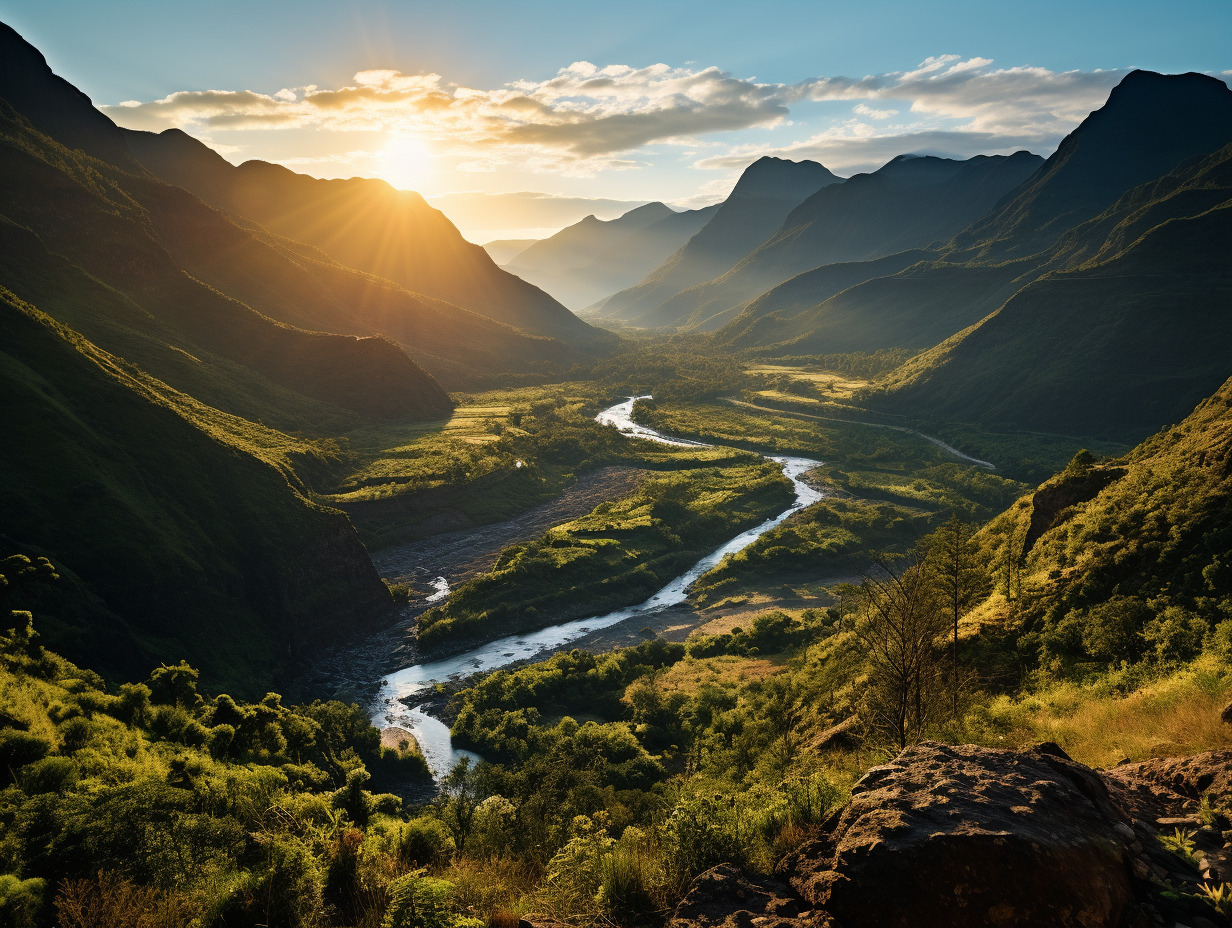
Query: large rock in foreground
(968, 836)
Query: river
(433, 735)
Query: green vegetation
(888, 489)
(152, 800)
(618, 555)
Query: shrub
(1175, 635)
(20, 901)
(419, 901)
(424, 842)
(49, 775)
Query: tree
(901, 623)
(460, 794)
(959, 577)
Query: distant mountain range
(591, 259)
(768, 190)
(1091, 300)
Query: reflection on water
(433, 735)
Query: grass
(827, 384)
(1176, 714)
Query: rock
(1226, 715)
(969, 836)
(843, 735)
(1173, 781)
(727, 896)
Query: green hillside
(1121, 344)
(188, 522)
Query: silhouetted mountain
(593, 258)
(364, 224)
(909, 203)
(1125, 339)
(53, 105)
(1150, 124)
(965, 281)
(766, 193)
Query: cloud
(866, 110)
(587, 118)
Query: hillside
(767, 191)
(593, 258)
(1125, 557)
(189, 523)
(364, 224)
(912, 202)
(1118, 345)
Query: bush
(21, 901)
(49, 775)
(18, 748)
(1175, 635)
(424, 842)
(419, 901)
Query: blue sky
(628, 102)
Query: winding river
(433, 735)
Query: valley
(651, 571)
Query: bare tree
(900, 627)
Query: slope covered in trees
(912, 202)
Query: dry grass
(831, 384)
(690, 675)
(1176, 715)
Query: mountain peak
(780, 179)
(53, 105)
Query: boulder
(728, 897)
(970, 836)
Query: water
(433, 735)
(440, 590)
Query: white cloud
(589, 118)
(865, 110)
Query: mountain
(364, 224)
(593, 258)
(965, 284)
(768, 190)
(905, 300)
(64, 208)
(1118, 343)
(911, 202)
(186, 521)
(53, 105)
(141, 408)
(1150, 124)
(504, 250)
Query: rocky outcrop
(971, 836)
(726, 897)
(1052, 501)
(967, 836)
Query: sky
(518, 118)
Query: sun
(405, 161)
